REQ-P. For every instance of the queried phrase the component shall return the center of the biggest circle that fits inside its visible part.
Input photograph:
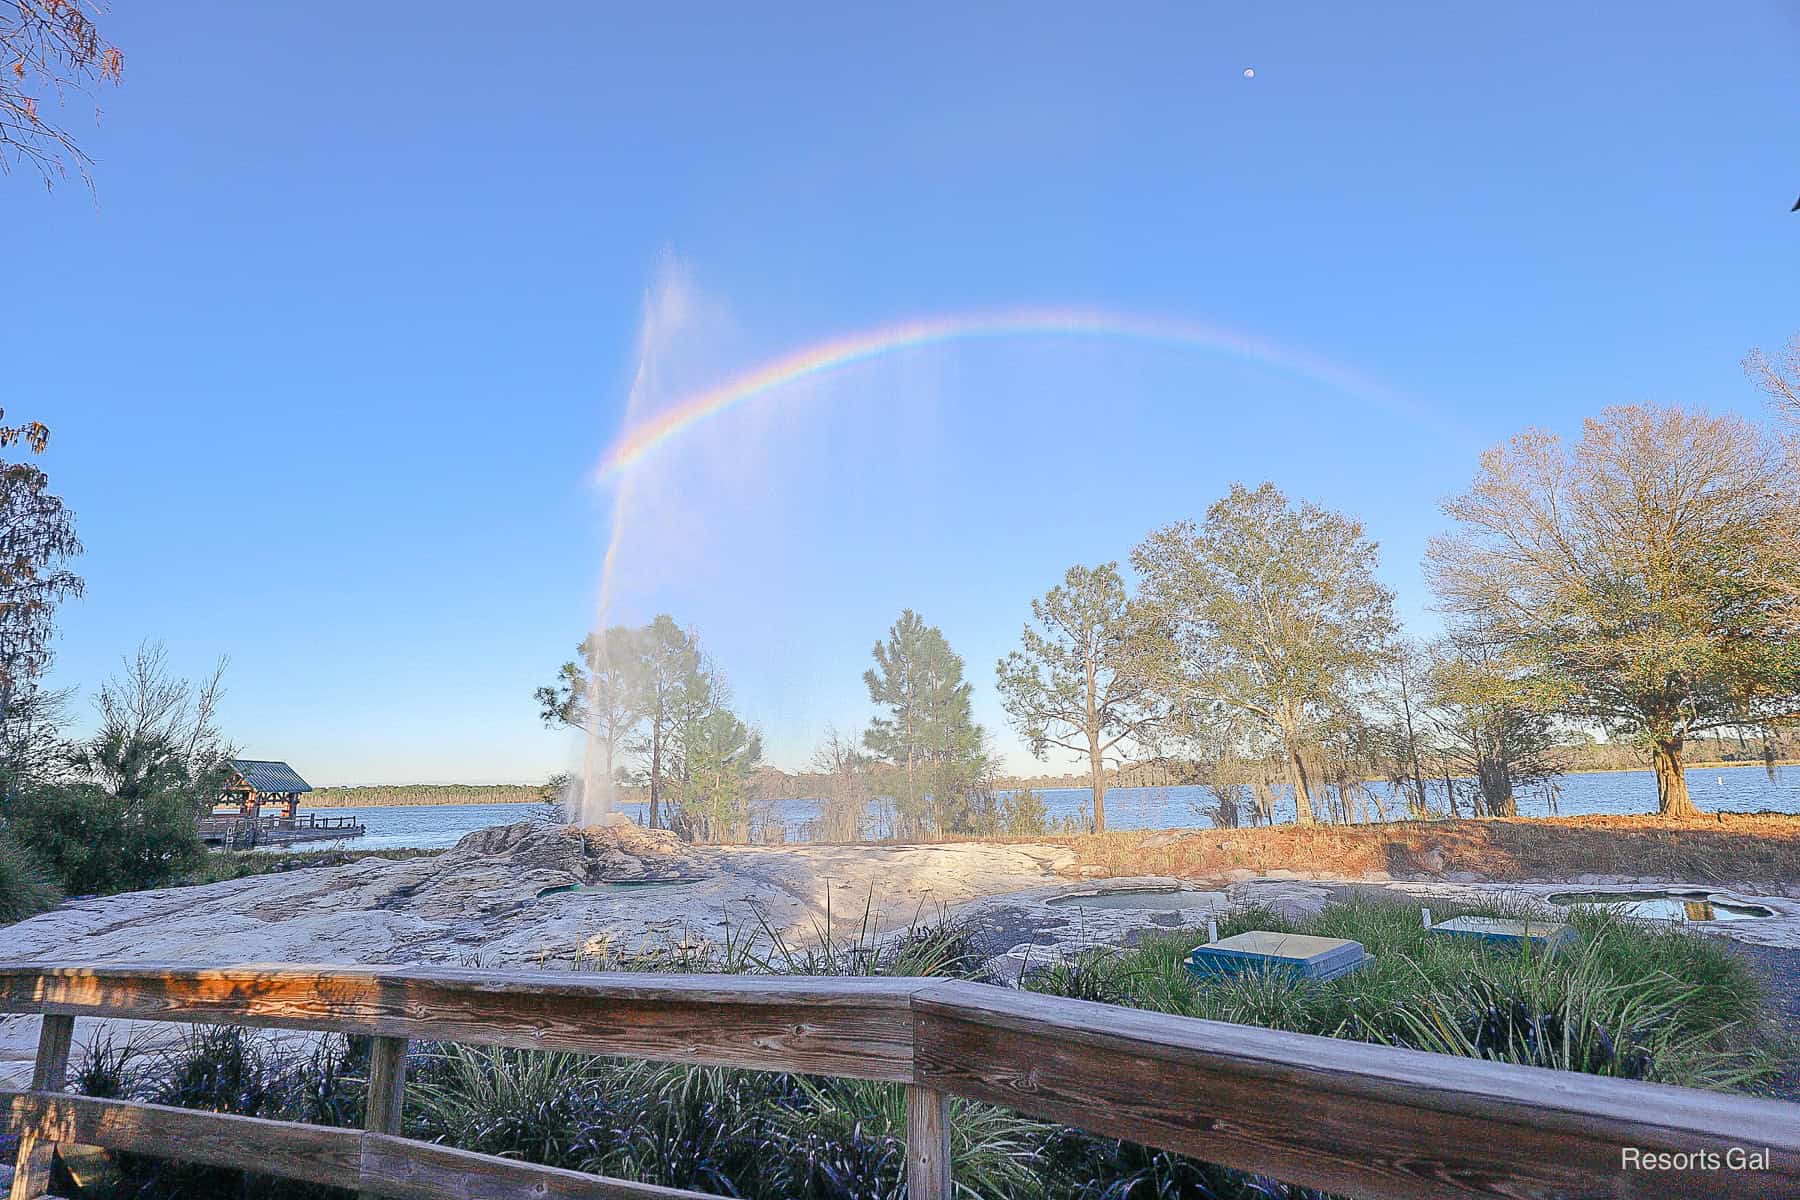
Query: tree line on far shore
(397, 795)
(1642, 583)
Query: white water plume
(679, 333)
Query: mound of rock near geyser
(592, 854)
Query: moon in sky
(1249, 72)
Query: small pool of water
(1159, 900)
(1669, 906)
(622, 887)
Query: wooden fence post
(387, 1089)
(927, 1144)
(37, 1156)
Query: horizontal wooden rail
(345, 1158)
(856, 1027)
(1340, 1115)
(1367, 1120)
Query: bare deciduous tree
(1779, 376)
(48, 49)
(1402, 699)
(1645, 576)
(158, 732)
(846, 770)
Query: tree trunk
(1418, 771)
(1672, 799)
(1096, 763)
(1097, 769)
(655, 773)
(1509, 804)
(1303, 812)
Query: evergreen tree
(668, 674)
(928, 732)
(719, 754)
(37, 538)
(598, 694)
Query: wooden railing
(235, 829)
(1366, 1120)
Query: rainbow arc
(642, 439)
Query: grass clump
(1630, 999)
(225, 1069)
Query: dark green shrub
(27, 884)
(97, 844)
(1083, 1167)
(225, 1069)
(230, 1070)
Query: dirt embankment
(1722, 848)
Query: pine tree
(928, 732)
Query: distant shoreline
(423, 795)
(308, 802)
(1697, 766)
(471, 795)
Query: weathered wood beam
(387, 1089)
(50, 1073)
(411, 1170)
(927, 1144)
(315, 1153)
(1373, 1121)
(387, 1084)
(855, 1027)
(376, 1164)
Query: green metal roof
(266, 775)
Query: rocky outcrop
(489, 901)
(494, 900)
(596, 854)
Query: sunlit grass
(1630, 999)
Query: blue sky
(357, 307)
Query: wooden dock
(1373, 1121)
(237, 832)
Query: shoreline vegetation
(401, 795)
(1760, 849)
(1740, 848)
(773, 784)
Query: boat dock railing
(1365, 1120)
(234, 830)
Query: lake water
(417, 826)
(1739, 789)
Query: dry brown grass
(1723, 848)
